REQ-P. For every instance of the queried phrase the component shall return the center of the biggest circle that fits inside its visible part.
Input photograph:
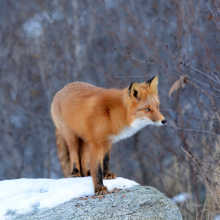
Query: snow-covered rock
(25, 195)
(73, 198)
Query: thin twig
(191, 67)
(135, 59)
(191, 116)
(191, 130)
(189, 155)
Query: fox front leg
(96, 165)
(106, 166)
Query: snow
(217, 217)
(34, 26)
(24, 195)
(182, 197)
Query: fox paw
(89, 173)
(75, 174)
(102, 190)
(109, 176)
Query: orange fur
(99, 117)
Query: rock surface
(138, 202)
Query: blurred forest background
(45, 45)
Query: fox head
(144, 102)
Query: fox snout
(160, 123)
(163, 121)
(157, 118)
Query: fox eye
(147, 109)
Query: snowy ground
(182, 197)
(23, 195)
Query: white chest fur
(135, 126)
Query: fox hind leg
(73, 146)
(85, 159)
(63, 153)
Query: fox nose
(163, 121)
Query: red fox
(89, 119)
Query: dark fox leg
(73, 146)
(106, 166)
(96, 163)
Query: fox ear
(134, 91)
(152, 83)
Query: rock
(138, 202)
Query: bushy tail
(63, 154)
